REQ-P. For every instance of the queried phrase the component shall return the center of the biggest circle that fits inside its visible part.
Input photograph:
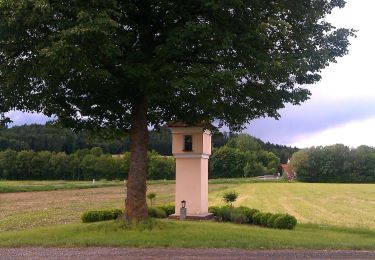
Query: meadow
(341, 213)
(27, 186)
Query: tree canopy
(89, 62)
(127, 65)
(335, 163)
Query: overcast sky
(342, 105)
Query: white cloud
(351, 134)
(352, 75)
(343, 101)
(21, 118)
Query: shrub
(230, 197)
(224, 214)
(156, 213)
(100, 215)
(285, 221)
(242, 215)
(214, 210)
(151, 196)
(169, 209)
(271, 220)
(256, 218)
(264, 219)
(226, 162)
(237, 216)
(160, 167)
(248, 212)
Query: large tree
(126, 65)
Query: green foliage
(46, 138)
(98, 50)
(161, 167)
(156, 213)
(214, 210)
(335, 163)
(100, 215)
(271, 220)
(245, 215)
(257, 218)
(264, 219)
(238, 217)
(248, 212)
(244, 143)
(224, 214)
(86, 164)
(82, 165)
(226, 162)
(151, 196)
(169, 209)
(285, 221)
(242, 156)
(96, 151)
(230, 197)
(162, 211)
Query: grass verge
(245, 180)
(167, 233)
(29, 186)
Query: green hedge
(285, 221)
(256, 218)
(156, 213)
(240, 215)
(245, 215)
(100, 215)
(169, 209)
(161, 211)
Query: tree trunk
(136, 206)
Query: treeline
(48, 138)
(336, 163)
(242, 156)
(282, 151)
(85, 164)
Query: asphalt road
(108, 253)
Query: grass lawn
(171, 233)
(351, 205)
(29, 186)
(25, 210)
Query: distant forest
(48, 138)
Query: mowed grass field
(343, 205)
(350, 205)
(26, 186)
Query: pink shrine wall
(191, 169)
(192, 185)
